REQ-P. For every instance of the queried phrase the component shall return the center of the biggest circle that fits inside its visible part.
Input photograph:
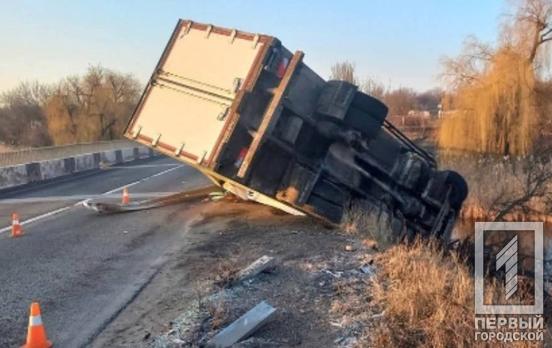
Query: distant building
(419, 113)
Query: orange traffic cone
(36, 334)
(126, 198)
(17, 230)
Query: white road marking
(36, 218)
(142, 166)
(81, 197)
(141, 180)
(61, 210)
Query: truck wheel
(371, 105)
(335, 99)
(459, 188)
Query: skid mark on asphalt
(61, 210)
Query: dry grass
(369, 221)
(419, 297)
(219, 313)
(427, 299)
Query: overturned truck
(255, 119)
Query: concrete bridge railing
(29, 166)
(54, 152)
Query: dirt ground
(190, 299)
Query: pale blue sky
(399, 43)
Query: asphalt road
(84, 268)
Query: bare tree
(493, 94)
(93, 107)
(373, 88)
(532, 26)
(401, 100)
(469, 65)
(344, 71)
(22, 121)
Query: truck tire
(371, 105)
(459, 188)
(335, 99)
(440, 183)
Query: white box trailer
(254, 118)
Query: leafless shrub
(219, 313)
(533, 194)
(225, 273)
(499, 188)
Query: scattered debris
(367, 269)
(260, 265)
(347, 342)
(336, 275)
(314, 275)
(182, 328)
(366, 259)
(216, 196)
(255, 342)
(244, 326)
(370, 244)
(378, 315)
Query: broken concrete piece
(243, 326)
(260, 265)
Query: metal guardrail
(56, 152)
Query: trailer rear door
(187, 103)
